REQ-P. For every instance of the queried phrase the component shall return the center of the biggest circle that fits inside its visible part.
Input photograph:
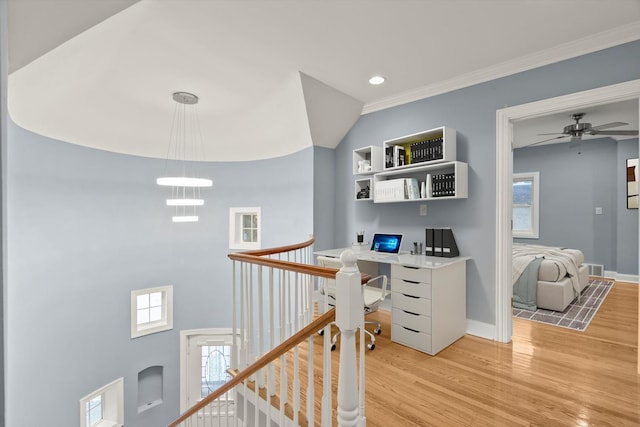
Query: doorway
(504, 170)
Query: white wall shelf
(370, 154)
(427, 147)
(363, 189)
(442, 181)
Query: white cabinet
(428, 305)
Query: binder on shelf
(429, 242)
(437, 241)
(449, 246)
(440, 242)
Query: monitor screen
(389, 243)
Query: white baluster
(349, 316)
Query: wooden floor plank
(547, 375)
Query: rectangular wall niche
(149, 388)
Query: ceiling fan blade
(615, 132)
(545, 140)
(553, 133)
(608, 125)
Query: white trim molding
(620, 35)
(504, 167)
(481, 329)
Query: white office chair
(372, 296)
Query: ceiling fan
(577, 129)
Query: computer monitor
(388, 243)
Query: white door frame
(185, 336)
(504, 168)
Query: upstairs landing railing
(274, 374)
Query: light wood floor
(547, 376)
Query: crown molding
(583, 46)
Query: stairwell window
(526, 204)
(151, 310)
(244, 228)
(104, 407)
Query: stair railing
(272, 362)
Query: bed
(547, 277)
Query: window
(94, 410)
(151, 310)
(244, 228)
(525, 205)
(104, 407)
(205, 356)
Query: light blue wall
(85, 228)
(627, 221)
(324, 216)
(573, 182)
(472, 112)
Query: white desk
(428, 297)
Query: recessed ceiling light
(376, 80)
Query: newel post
(349, 317)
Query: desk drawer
(418, 340)
(411, 304)
(422, 290)
(417, 322)
(413, 274)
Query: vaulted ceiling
(273, 77)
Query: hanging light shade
(185, 147)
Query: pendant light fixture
(185, 147)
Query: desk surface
(407, 259)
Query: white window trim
(151, 328)
(235, 225)
(112, 405)
(535, 211)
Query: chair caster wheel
(371, 346)
(377, 331)
(333, 347)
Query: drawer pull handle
(413, 314)
(409, 329)
(410, 281)
(411, 267)
(411, 296)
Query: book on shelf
(443, 184)
(398, 155)
(389, 190)
(388, 157)
(412, 188)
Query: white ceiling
(273, 76)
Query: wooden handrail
(281, 249)
(278, 351)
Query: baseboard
(619, 277)
(481, 329)
(631, 278)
